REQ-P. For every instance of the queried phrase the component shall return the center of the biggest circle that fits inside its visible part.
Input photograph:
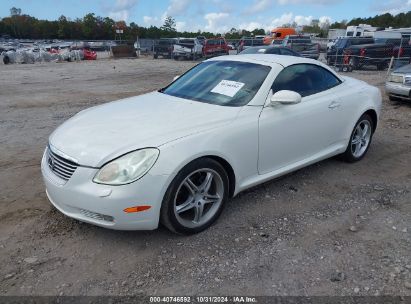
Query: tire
(190, 204)
(6, 59)
(155, 56)
(328, 61)
(354, 63)
(359, 141)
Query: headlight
(127, 168)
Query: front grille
(407, 80)
(97, 216)
(60, 166)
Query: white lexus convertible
(177, 155)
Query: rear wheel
(6, 59)
(195, 198)
(328, 60)
(155, 56)
(354, 63)
(360, 139)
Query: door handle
(334, 105)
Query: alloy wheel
(198, 198)
(361, 138)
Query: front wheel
(360, 139)
(195, 198)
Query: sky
(216, 16)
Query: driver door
(289, 134)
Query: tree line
(92, 27)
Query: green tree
(63, 29)
(89, 26)
(15, 11)
(169, 24)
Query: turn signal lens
(136, 209)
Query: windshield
(225, 83)
(340, 43)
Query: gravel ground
(329, 229)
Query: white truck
(188, 48)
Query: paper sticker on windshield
(228, 88)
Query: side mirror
(176, 77)
(285, 97)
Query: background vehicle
(378, 54)
(231, 46)
(336, 33)
(278, 34)
(402, 52)
(270, 49)
(245, 43)
(302, 45)
(335, 53)
(361, 30)
(164, 47)
(85, 48)
(188, 48)
(201, 39)
(215, 46)
(398, 85)
(332, 42)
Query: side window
(305, 79)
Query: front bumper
(398, 90)
(82, 199)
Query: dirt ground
(329, 229)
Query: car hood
(406, 69)
(102, 133)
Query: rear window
(362, 41)
(187, 41)
(251, 42)
(165, 42)
(388, 41)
